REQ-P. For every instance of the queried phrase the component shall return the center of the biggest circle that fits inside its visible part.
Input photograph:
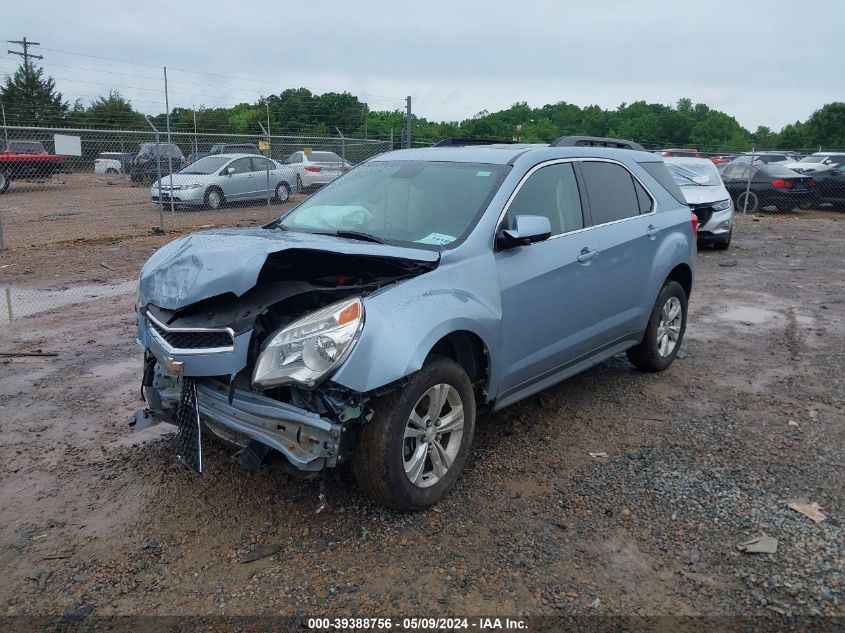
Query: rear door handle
(586, 255)
(652, 231)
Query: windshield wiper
(354, 235)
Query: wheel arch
(682, 273)
(469, 351)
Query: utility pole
(25, 44)
(169, 157)
(408, 122)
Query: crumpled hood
(697, 194)
(211, 263)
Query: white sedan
(315, 169)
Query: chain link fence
(79, 212)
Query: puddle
(16, 303)
(748, 314)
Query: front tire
(214, 198)
(413, 450)
(664, 332)
(723, 243)
(5, 179)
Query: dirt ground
(699, 459)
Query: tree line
(30, 98)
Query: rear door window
(610, 189)
(259, 163)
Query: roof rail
(462, 142)
(595, 141)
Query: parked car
(230, 148)
(771, 185)
(215, 180)
(26, 147)
(147, 167)
(193, 157)
(830, 187)
(820, 161)
(371, 322)
(315, 169)
(722, 158)
(29, 160)
(688, 152)
(768, 157)
(708, 198)
(113, 163)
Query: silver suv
(371, 322)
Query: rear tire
(111, 171)
(5, 180)
(663, 334)
(282, 192)
(753, 202)
(299, 187)
(402, 460)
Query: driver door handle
(652, 231)
(586, 255)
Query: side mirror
(527, 229)
(230, 171)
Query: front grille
(179, 339)
(703, 213)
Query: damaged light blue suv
(372, 322)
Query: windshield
(207, 165)
(421, 202)
(694, 174)
(817, 158)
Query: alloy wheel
(214, 199)
(433, 435)
(669, 328)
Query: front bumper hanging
(189, 437)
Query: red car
(26, 159)
(683, 152)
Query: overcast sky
(767, 62)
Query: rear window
(610, 188)
(779, 171)
(658, 171)
(324, 157)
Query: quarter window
(642, 197)
(611, 192)
(553, 192)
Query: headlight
(722, 205)
(304, 352)
(195, 185)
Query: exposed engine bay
(211, 346)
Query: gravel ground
(699, 459)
